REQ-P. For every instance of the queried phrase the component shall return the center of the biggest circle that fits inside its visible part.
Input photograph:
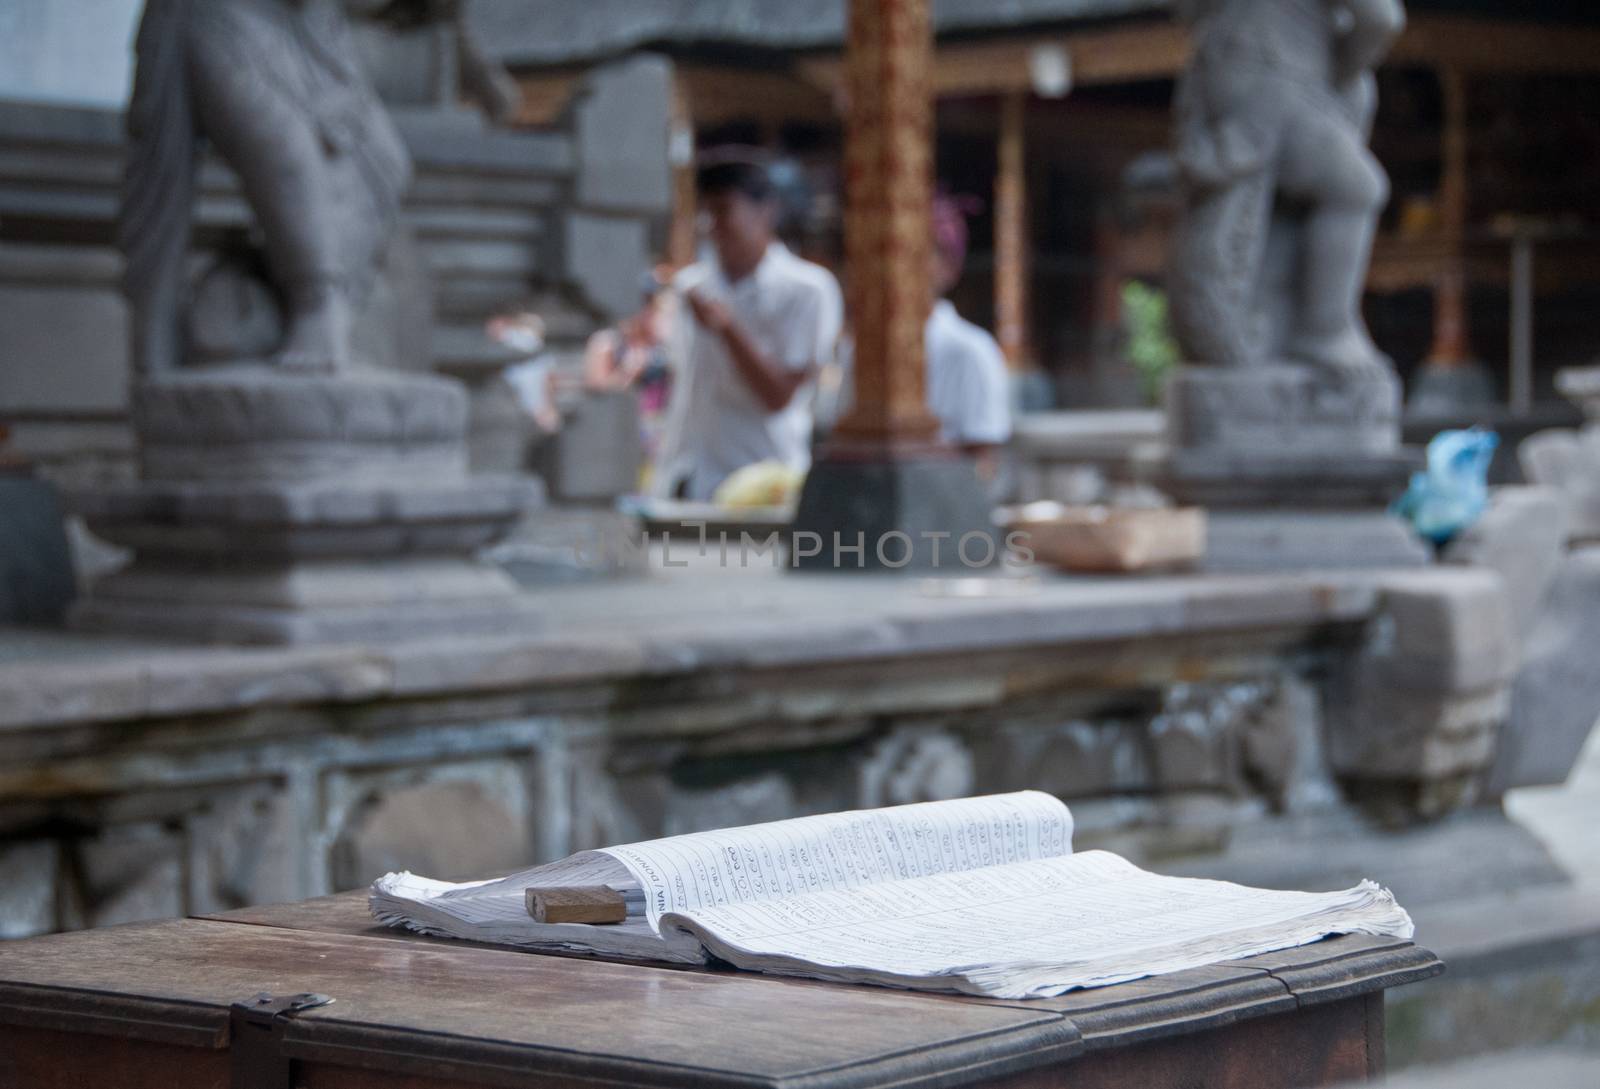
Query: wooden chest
(173, 1005)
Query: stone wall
(161, 818)
(138, 783)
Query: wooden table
(152, 1006)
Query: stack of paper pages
(981, 895)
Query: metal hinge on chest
(256, 1035)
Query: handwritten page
(1029, 929)
(835, 852)
(980, 895)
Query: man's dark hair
(743, 176)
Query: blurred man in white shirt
(764, 324)
(968, 387)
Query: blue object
(1454, 490)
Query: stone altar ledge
(666, 625)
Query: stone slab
(1445, 630)
(1101, 435)
(1281, 478)
(1422, 864)
(1307, 540)
(1283, 407)
(243, 402)
(1521, 537)
(289, 520)
(247, 599)
(255, 422)
(564, 544)
(1281, 435)
(605, 256)
(623, 123)
(340, 584)
(597, 455)
(1415, 715)
(1568, 460)
(664, 626)
(1555, 701)
(237, 624)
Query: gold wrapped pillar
(1011, 232)
(888, 209)
(883, 494)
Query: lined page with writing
(980, 895)
(836, 852)
(829, 852)
(1030, 929)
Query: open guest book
(980, 895)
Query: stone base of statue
(877, 508)
(1568, 459)
(1582, 385)
(1297, 468)
(283, 508)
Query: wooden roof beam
(1119, 55)
(1496, 46)
(1159, 50)
(1125, 54)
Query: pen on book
(593, 904)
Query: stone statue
(310, 500)
(1287, 425)
(276, 88)
(1281, 194)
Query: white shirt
(968, 388)
(792, 311)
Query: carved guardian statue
(1281, 195)
(276, 88)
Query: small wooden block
(590, 904)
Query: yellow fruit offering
(764, 484)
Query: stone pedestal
(596, 456)
(1569, 460)
(498, 430)
(284, 508)
(868, 511)
(1284, 435)
(1297, 467)
(1582, 384)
